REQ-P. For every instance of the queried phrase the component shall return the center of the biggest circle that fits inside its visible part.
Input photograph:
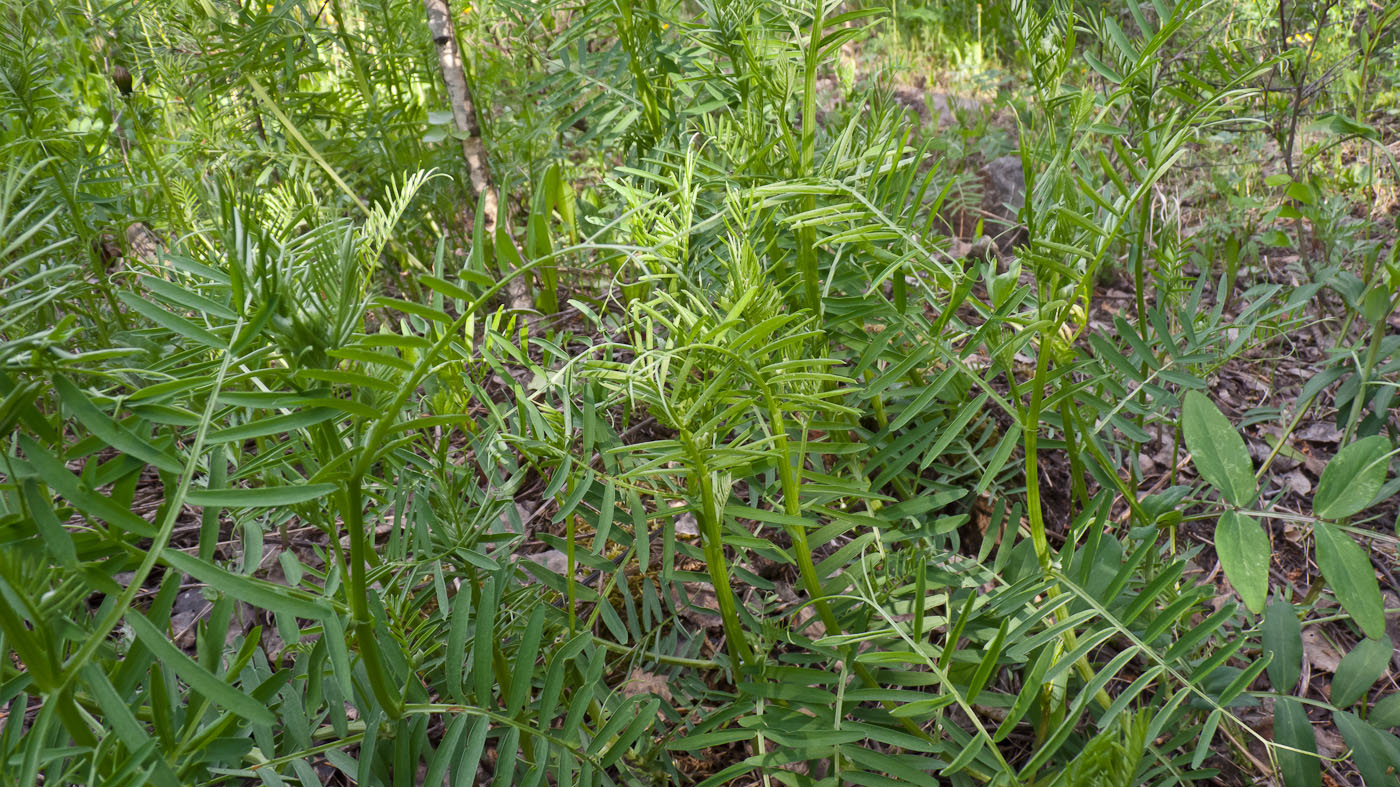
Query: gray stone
(1003, 195)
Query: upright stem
(789, 474)
(712, 536)
(1033, 506)
(1032, 435)
(1139, 266)
(1076, 461)
(459, 96)
(792, 506)
(357, 598)
(807, 235)
(1358, 402)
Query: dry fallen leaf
(639, 681)
(1319, 432)
(1297, 482)
(1319, 652)
(686, 525)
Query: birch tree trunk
(454, 76)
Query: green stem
(807, 235)
(1373, 353)
(1031, 434)
(1139, 272)
(166, 194)
(174, 504)
(712, 534)
(1140, 285)
(660, 658)
(1033, 506)
(789, 474)
(356, 589)
(570, 536)
(357, 598)
(1076, 461)
(792, 506)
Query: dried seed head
(122, 79)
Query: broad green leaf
(525, 656)
(1298, 764)
(1352, 478)
(708, 740)
(447, 750)
(1376, 305)
(200, 679)
(1348, 572)
(1386, 713)
(456, 652)
(1342, 125)
(260, 497)
(1360, 669)
(1207, 735)
(55, 474)
(1368, 748)
(1106, 71)
(922, 709)
(1217, 449)
(1283, 639)
(1244, 553)
(641, 719)
(954, 429)
(964, 757)
(450, 289)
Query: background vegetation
(909, 394)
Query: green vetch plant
(1349, 484)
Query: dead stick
(454, 76)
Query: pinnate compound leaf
(1353, 478)
(1217, 449)
(1360, 669)
(1244, 553)
(1348, 572)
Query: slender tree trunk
(454, 76)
